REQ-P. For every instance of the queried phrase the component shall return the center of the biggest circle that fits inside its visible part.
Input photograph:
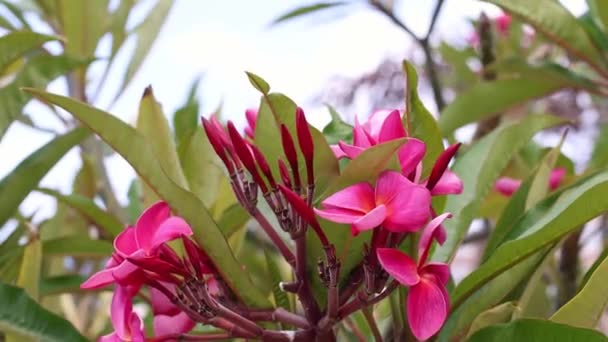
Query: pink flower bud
(306, 143)
(290, 153)
(216, 143)
(284, 174)
(263, 164)
(243, 152)
(441, 165)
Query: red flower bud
(221, 133)
(217, 145)
(290, 153)
(441, 165)
(298, 204)
(263, 164)
(284, 173)
(306, 144)
(198, 259)
(243, 152)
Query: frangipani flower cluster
(185, 288)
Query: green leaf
(337, 129)
(135, 207)
(232, 219)
(478, 168)
(419, 122)
(29, 275)
(553, 20)
(61, 284)
(25, 177)
(599, 10)
(37, 73)
(136, 150)
(488, 99)
(87, 207)
(198, 162)
(587, 307)
(82, 23)
(21, 315)
(542, 226)
(599, 157)
(258, 83)
(153, 125)
(185, 119)
(77, 245)
(306, 10)
(498, 314)
(280, 296)
(145, 33)
(16, 44)
(535, 330)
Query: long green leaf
(19, 314)
(61, 284)
(136, 150)
(478, 168)
(306, 10)
(15, 44)
(552, 19)
(488, 99)
(77, 245)
(87, 207)
(561, 213)
(25, 177)
(38, 72)
(146, 33)
(587, 307)
(535, 330)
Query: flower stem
(371, 321)
(274, 236)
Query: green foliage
(21, 315)
(535, 330)
(307, 10)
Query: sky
(222, 39)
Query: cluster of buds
(187, 289)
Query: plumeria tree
(284, 232)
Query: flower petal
(376, 120)
(408, 204)
(358, 197)
(556, 177)
(399, 265)
(161, 305)
(339, 215)
(351, 151)
(410, 155)
(507, 186)
(371, 220)
(448, 184)
(433, 230)
(441, 165)
(126, 243)
(136, 327)
(427, 307)
(337, 151)
(178, 324)
(439, 270)
(120, 312)
(171, 229)
(392, 128)
(113, 337)
(149, 222)
(99, 279)
(361, 136)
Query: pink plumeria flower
(427, 301)
(252, 117)
(503, 23)
(154, 227)
(168, 318)
(396, 204)
(128, 327)
(508, 186)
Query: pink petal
(441, 165)
(507, 186)
(99, 279)
(351, 151)
(251, 115)
(427, 307)
(125, 272)
(125, 243)
(361, 136)
(136, 327)
(448, 184)
(433, 230)
(120, 312)
(556, 177)
(337, 151)
(410, 155)
(161, 305)
(113, 337)
(371, 220)
(171, 229)
(149, 222)
(374, 123)
(178, 324)
(439, 270)
(392, 128)
(399, 265)
(358, 197)
(339, 215)
(408, 204)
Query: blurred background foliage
(541, 70)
